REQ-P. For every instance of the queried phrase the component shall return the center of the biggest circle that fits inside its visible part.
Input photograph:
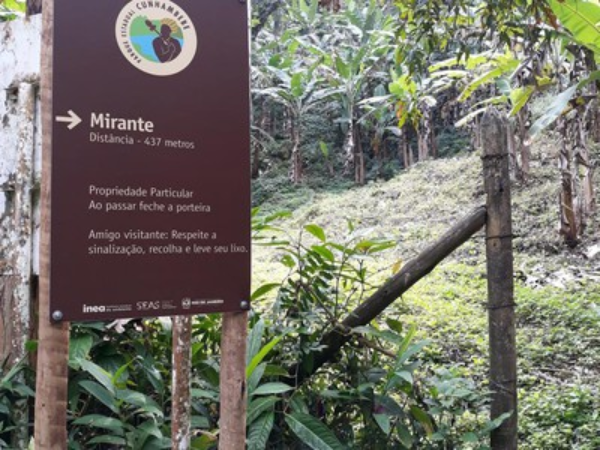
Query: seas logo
(147, 306)
(186, 303)
(157, 37)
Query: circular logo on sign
(157, 37)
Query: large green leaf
(462, 122)
(258, 406)
(16, 6)
(255, 340)
(423, 419)
(272, 388)
(519, 98)
(383, 420)
(79, 349)
(100, 421)
(255, 377)
(296, 85)
(142, 401)
(101, 375)
(258, 358)
(260, 430)
(108, 439)
(582, 19)
(312, 432)
(101, 393)
(316, 231)
(263, 290)
(553, 112)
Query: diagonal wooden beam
(413, 271)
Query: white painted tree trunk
(20, 167)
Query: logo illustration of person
(166, 47)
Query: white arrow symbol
(72, 119)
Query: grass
(557, 289)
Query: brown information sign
(150, 159)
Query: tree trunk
(476, 134)
(424, 133)
(594, 88)
(263, 10)
(16, 311)
(256, 145)
(34, 7)
(359, 160)
(349, 144)
(421, 145)
(584, 169)
(377, 146)
(405, 150)
(432, 139)
(524, 148)
(331, 5)
(296, 154)
(569, 226)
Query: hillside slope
(418, 205)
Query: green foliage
(390, 395)
(108, 398)
(460, 26)
(561, 418)
(582, 19)
(12, 9)
(14, 395)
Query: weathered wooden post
(53, 348)
(232, 435)
(182, 366)
(501, 304)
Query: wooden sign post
(53, 338)
(232, 434)
(146, 183)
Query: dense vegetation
(365, 132)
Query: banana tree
(572, 108)
(377, 115)
(415, 100)
(299, 91)
(363, 46)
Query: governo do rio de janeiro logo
(157, 37)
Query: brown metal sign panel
(150, 159)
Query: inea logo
(87, 309)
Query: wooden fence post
(182, 366)
(501, 304)
(232, 424)
(53, 348)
